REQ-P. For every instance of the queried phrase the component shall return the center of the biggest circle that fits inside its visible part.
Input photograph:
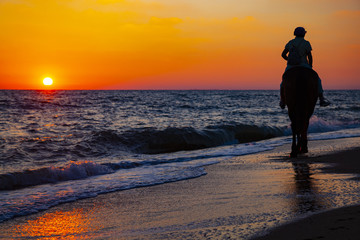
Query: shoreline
(238, 198)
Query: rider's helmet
(299, 32)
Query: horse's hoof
(304, 150)
(293, 155)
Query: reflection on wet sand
(307, 198)
(56, 225)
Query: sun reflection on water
(56, 225)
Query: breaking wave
(153, 141)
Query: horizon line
(166, 89)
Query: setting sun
(48, 81)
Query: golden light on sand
(56, 225)
(47, 81)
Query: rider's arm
(310, 59)
(284, 54)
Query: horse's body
(301, 92)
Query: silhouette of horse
(301, 92)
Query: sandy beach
(240, 198)
(336, 224)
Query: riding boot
(323, 101)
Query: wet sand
(342, 223)
(238, 198)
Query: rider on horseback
(300, 55)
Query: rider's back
(303, 48)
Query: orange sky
(165, 44)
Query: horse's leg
(299, 142)
(294, 149)
(303, 143)
(304, 140)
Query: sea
(62, 146)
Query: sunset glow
(160, 44)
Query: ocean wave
(319, 125)
(154, 141)
(86, 169)
(75, 171)
(172, 139)
(72, 171)
(121, 143)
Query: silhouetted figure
(300, 92)
(300, 56)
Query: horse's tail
(301, 103)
